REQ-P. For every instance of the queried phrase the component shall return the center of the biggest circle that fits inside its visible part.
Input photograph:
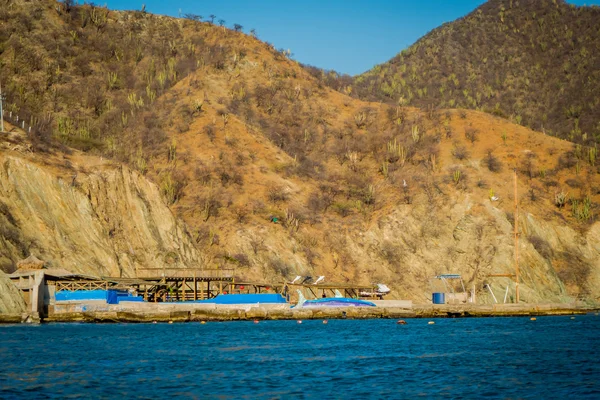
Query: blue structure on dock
(111, 296)
(439, 298)
(259, 298)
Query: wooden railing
(81, 285)
(215, 273)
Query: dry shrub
(567, 160)
(575, 269)
(541, 246)
(527, 165)
(574, 183)
(342, 208)
(280, 267)
(241, 259)
(203, 174)
(241, 213)
(210, 131)
(460, 152)
(492, 162)
(319, 202)
(392, 253)
(471, 134)
(277, 193)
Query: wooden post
(516, 242)
(195, 288)
(207, 290)
(1, 111)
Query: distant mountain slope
(534, 62)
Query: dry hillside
(362, 191)
(534, 62)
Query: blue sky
(349, 36)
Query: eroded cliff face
(11, 301)
(407, 245)
(476, 239)
(111, 221)
(106, 223)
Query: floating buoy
(431, 323)
(596, 314)
(533, 319)
(299, 321)
(202, 322)
(401, 322)
(572, 317)
(170, 322)
(256, 321)
(325, 322)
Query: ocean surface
(553, 357)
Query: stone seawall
(190, 313)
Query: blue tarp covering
(265, 298)
(110, 296)
(80, 295)
(337, 302)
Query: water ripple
(457, 358)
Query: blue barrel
(439, 298)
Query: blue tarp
(117, 296)
(110, 296)
(265, 298)
(80, 295)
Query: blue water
(553, 357)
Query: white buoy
(431, 323)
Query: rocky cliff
(107, 222)
(11, 301)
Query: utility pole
(516, 241)
(1, 110)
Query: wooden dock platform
(178, 284)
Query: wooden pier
(177, 284)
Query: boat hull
(337, 302)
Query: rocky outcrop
(411, 245)
(110, 222)
(11, 301)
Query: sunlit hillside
(276, 174)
